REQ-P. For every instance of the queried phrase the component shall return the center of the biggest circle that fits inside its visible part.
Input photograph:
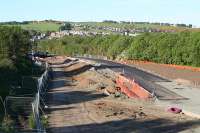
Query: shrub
(7, 125)
(44, 121)
(31, 122)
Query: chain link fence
(30, 103)
(39, 97)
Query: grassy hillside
(43, 27)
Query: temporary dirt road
(180, 74)
(77, 105)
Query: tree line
(14, 45)
(14, 65)
(175, 48)
(170, 48)
(150, 23)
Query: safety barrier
(24, 105)
(131, 88)
(36, 106)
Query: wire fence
(18, 106)
(31, 102)
(37, 103)
(2, 107)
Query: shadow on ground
(73, 97)
(130, 126)
(68, 97)
(62, 74)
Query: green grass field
(42, 27)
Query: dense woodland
(14, 44)
(171, 48)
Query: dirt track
(77, 105)
(182, 76)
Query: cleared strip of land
(78, 104)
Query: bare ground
(77, 105)
(181, 76)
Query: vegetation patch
(43, 27)
(170, 48)
(40, 26)
(14, 66)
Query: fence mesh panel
(18, 106)
(36, 105)
(29, 102)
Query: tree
(14, 45)
(65, 26)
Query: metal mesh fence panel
(17, 106)
(42, 86)
(29, 82)
(25, 106)
(2, 109)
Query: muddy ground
(79, 103)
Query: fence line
(3, 103)
(36, 105)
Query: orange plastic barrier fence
(196, 69)
(183, 67)
(125, 88)
(131, 88)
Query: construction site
(88, 95)
(107, 66)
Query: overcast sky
(172, 11)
